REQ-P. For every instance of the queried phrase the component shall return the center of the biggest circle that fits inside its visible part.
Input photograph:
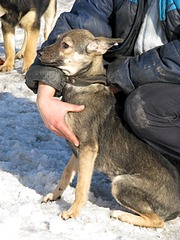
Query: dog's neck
(97, 67)
(94, 73)
(83, 82)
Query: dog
(27, 15)
(143, 181)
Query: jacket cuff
(118, 74)
(48, 75)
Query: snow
(31, 161)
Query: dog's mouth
(50, 63)
(47, 58)
(65, 70)
(57, 64)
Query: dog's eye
(65, 45)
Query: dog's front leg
(30, 50)
(20, 54)
(49, 16)
(9, 47)
(31, 38)
(66, 178)
(87, 158)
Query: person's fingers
(75, 108)
(69, 134)
(114, 89)
(72, 138)
(66, 133)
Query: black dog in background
(27, 15)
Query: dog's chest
(96, 124)
(81, 122)
(12, 18)
(87, 123)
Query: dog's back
(15, 10)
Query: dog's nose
(40, 52)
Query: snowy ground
(31, 162)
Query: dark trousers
(153, 113)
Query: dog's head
(75, 51)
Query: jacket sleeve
(85, 14)
(46, 74)
(161, 64)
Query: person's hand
(114, 90)
(53, 112)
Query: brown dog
(142, 179)
(27, 15)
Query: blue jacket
(119, 18)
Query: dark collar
(83, 81)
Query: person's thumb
(76, 108)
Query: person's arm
(161, 64)
(53, 112)
(92, 15)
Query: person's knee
(152, 112)
(134, 112)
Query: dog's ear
(100, 45)
(59, 36)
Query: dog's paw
(19, 55)
(68, 214)
(117, 214)
(48, 198)
(25, 69)
(26, 66)
(73, 212)
(123, 216)
(6, 68)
